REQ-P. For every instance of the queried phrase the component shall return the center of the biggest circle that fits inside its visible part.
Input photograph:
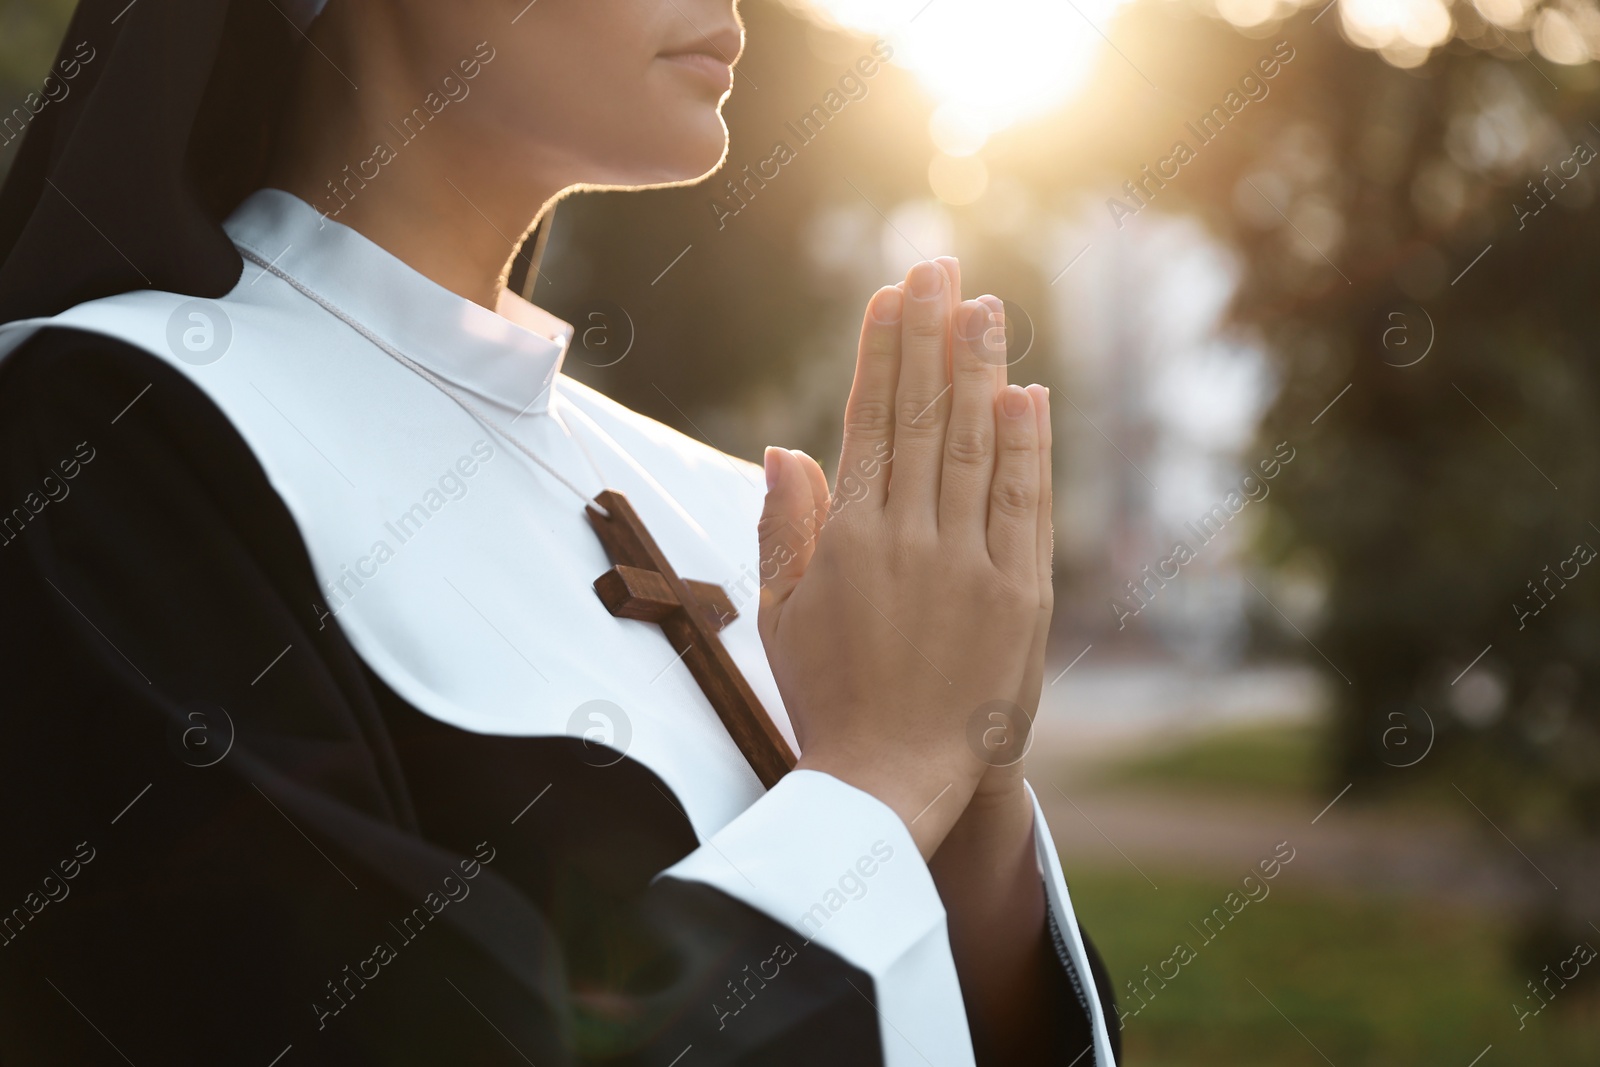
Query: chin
(705, 149)
(680, 152)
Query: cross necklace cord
(642, 583)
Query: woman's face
(598, 92)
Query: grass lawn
(1272, 758)
(1367, 981)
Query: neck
(414, 182)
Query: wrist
(998, 818)
(1001, 785)
(929, 802)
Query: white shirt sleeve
(840, 868)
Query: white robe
(462, 573)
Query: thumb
(790, 520)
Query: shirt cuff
(840, 868)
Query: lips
(708, 57)
(713, 72)
(722, 45)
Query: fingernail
(951, 267)
(885, 306)
(1041, 410)
(927, 280)
(994, 304)
(1014, 401)
(974, 319)
(770, 462)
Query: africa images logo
(605, 730)
(199, 332)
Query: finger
(952, 269)
(869, 413)
(969, 460)
(785, 545)
(994, 350)
(998, 306)
(921, 395)
(1014, 494)
(1046, 532)
(820, 502)
(1033, 676)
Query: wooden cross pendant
(643, 585)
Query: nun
(376, 694)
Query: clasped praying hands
(904, 613)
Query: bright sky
(987, 63)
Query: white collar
(508, 357)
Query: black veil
(123, 183)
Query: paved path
(1098, 713)
(1348, 847)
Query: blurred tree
(1419, 230)
(1456, 473)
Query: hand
(920, 601)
